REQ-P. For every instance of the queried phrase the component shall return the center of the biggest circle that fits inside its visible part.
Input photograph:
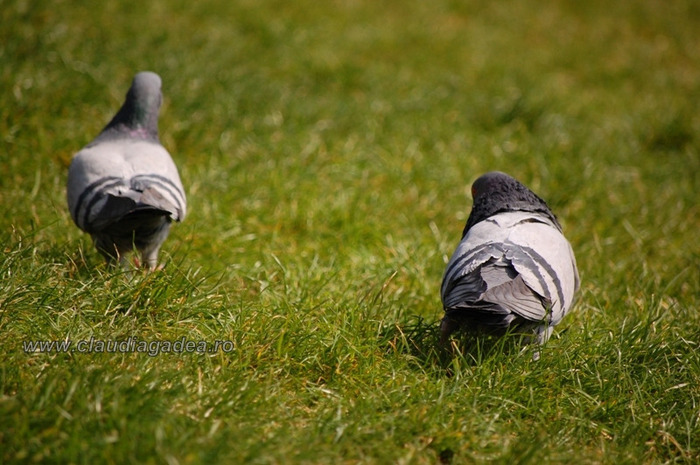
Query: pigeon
(513, 267)
(123, 187)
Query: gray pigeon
(123, 187)
(513, 266)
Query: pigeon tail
(140, 230)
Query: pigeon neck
(488, 207)
(132, 122)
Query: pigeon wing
(516, 260)
(544, 260)
(131, 170)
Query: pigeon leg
(108, 249)
(447, 327)
(542, 334)
(149, 258)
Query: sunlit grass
(327, 150)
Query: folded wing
(514, 266)
(112, 180)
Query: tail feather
(118, 207)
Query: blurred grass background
(327, 150)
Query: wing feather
(514, 262)
(140, 173)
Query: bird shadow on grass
(419, 339)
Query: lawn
(327, 150)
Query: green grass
(327, 149)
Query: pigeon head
(497, 192)
(138, 116)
